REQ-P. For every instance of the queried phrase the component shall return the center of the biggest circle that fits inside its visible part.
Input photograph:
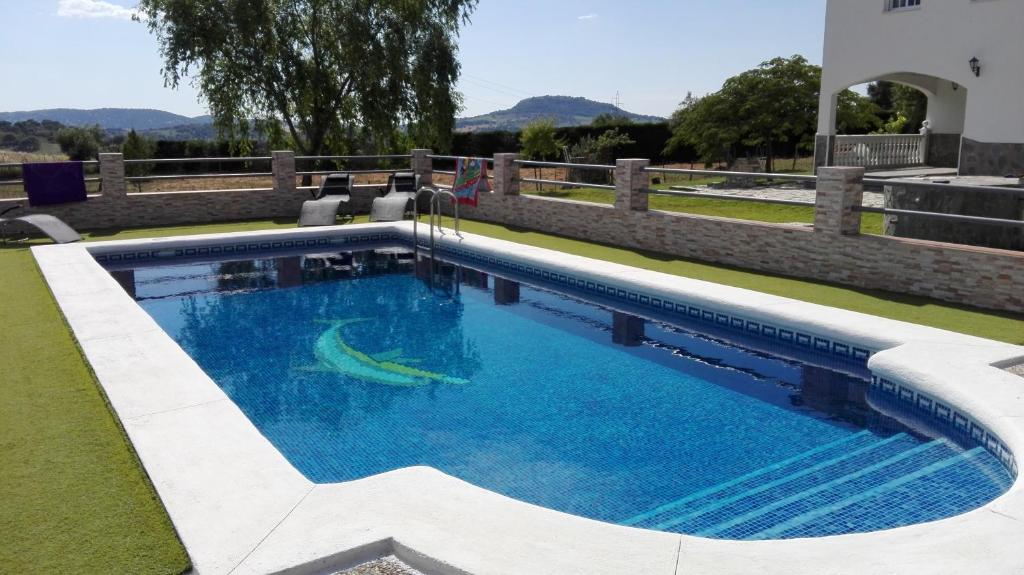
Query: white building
(967, 56)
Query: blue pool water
(354, 364)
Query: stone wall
(991, 159)
(832, 252)
(115, 208)
(943, 150)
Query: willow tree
(314, 73)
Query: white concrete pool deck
(240, 507)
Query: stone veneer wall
(943, 150)
(832, 252)
(991, 159)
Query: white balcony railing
(881, 151)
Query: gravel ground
(389, 565)
(1016, 369)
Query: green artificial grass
(738, 209)
(75, 498)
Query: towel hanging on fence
(49, 183)
(470, 178)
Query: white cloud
(93, 9)
(587, 17)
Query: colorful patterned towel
(470, 178)
(53, 182)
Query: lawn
(75, 497)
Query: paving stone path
(800, 194)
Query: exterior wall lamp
(976, 66)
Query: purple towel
(53, 182)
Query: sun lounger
(334, 192)
(397, 203)
(55, 229)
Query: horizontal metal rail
(327, 172)
(355, 187)
(489, 160)
(169, 192)
(654, 192)
(561, 183)
(18, 164)
(721, 174)
(21, 182)
(942, 216)
(378, 157)
(451, 173)
(198, 160)
(532, 163)
(199, 176)
(1011, 191)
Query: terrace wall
(832, 250)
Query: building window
(893, 5)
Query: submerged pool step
(775, 511)
(795, 523)
(744, 483)
(798, 481)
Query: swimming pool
(356, 362)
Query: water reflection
(397, 323)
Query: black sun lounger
(334, 192)
(401, 193)
(55, 229)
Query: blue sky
(89, 54)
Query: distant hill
(109, 118)
(564, 110)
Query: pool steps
(852, 500)
(819, 486)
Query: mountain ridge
(563, 110)
(139, 119)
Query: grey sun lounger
(397, 203)
(335, 191)
(54, 229)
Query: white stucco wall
(863, 42)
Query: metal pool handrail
(435, 193)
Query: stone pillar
(631, 182)
(283, 165)
(423, 166)
(112, 176)
(506, 174)
(824, 151)
(839, 191)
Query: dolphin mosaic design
(335, 355)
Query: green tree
(538, 142)
(857, 114)
(706, 124)
(610, 121)
(912, 104)
(903, 108)
(306, 72)
(136, 147)
(772, 104)
(80, 143)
